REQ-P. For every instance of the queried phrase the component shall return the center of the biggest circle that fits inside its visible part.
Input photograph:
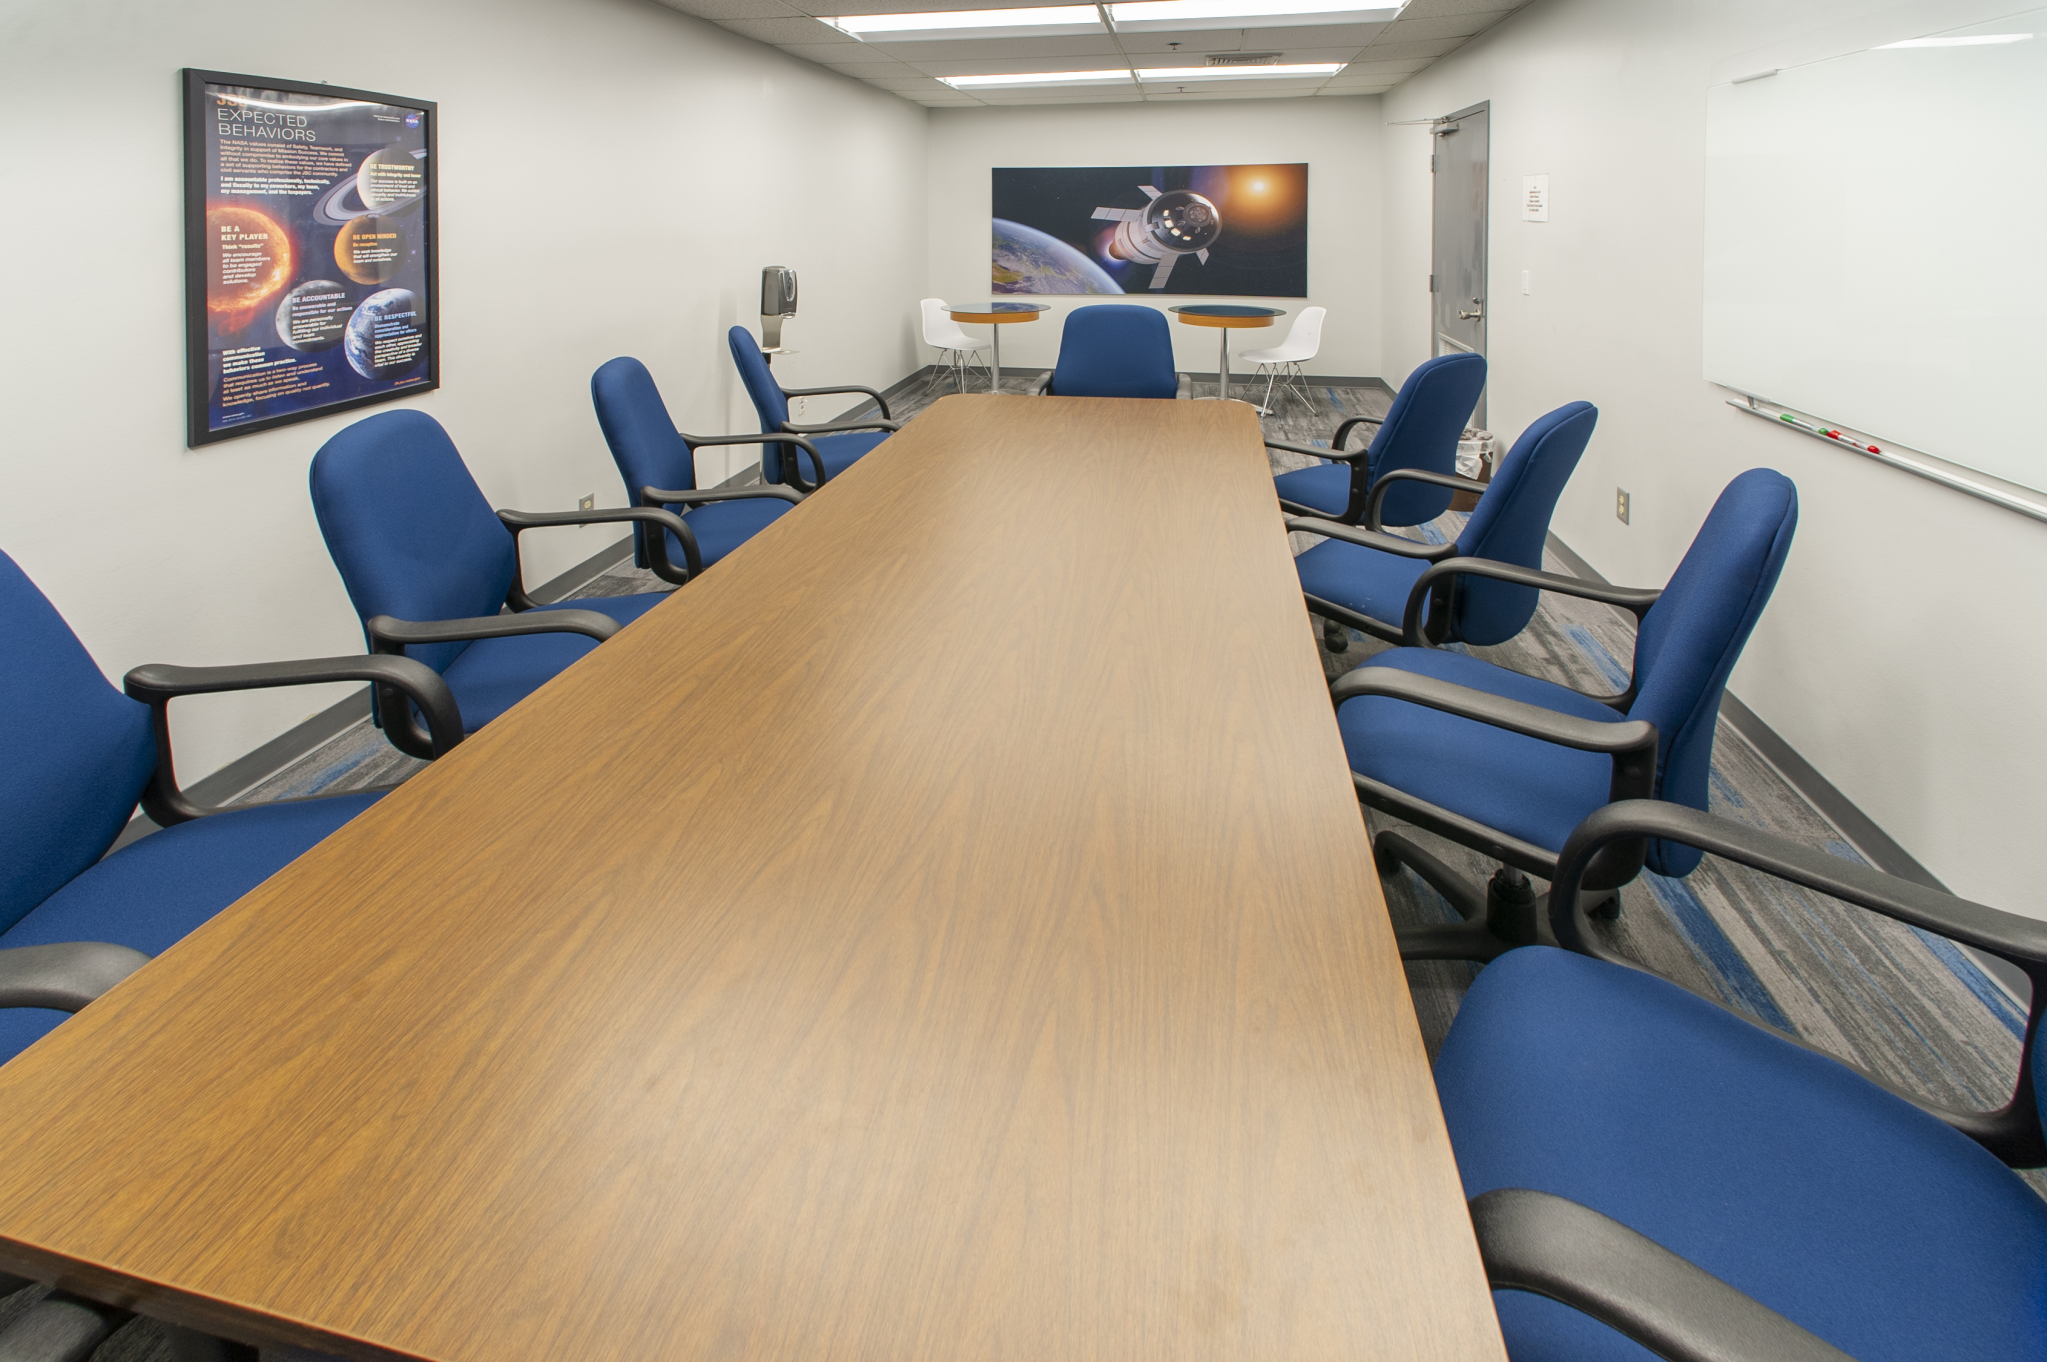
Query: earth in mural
(1027, 260)
(386, 336)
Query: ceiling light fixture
(1160, 16)
(1982, 40)
(1035, 78)
(1298, 71)
(1043, 22)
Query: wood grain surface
(943, 931)
(996, 318)
(1226, 323)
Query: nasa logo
(412, 120)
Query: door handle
(1464, 316)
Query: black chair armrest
(879, 400)
(1635, 600)
(1043, 387)
(1392, 475)
(64, 976)
(1549, 1246)
(385, 630)
(678, 497)
(396, 679)
(2012, 1132)
(1371, 539)
(838, 427)
(1340, 455)
(60, 1327)
(816, 459)
(655, 547)
(1343, 431)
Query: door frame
(1438, 342)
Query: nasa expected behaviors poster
(309, 251)
(1215, 230)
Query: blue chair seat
(1365, 580)
(152, 892)
(839, 451)
(1849, 1211)
(1527, 788)
(722, 526)
(492, 674)
(1326, 487)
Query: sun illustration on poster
(248, 258)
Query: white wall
(613, 176)
(1337, 137)
(1903, 651)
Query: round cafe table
(1229, 317)
(997, 315)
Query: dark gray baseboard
(1857, 828)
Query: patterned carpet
(1897, 1001)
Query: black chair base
(1505, 914)
(1335, 637)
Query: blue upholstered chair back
(1511, 522)
(1690, 639)
(1420, 431)
(74, 752)
(1115, 350)
(408, 527)
(648, 449)
(766, 394)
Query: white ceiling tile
(1312, 35)
(779, 31)
(733, 9)
(1190, 44)
(1013, 98)
(1430, 9)
(1444, 25)
(841, 54)
(1383, 50)
(1216, 95)
(990, 66)
(1365, 65)
(912, 6)
(1157, 89)
(1328, 93)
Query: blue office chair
(1113, 350)
(1362, 578)
(1648, 1165)
(428, 564)
(832, 447)
(1508, 764)
(1419, 431)
(78, 755)
(658, 463)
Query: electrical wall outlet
(1620, 505)
(1527, 284)
(588, 503)
(802, 405)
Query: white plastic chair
(946, 336)
(1282, 362)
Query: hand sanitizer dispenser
(778, 301)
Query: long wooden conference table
(944, 931)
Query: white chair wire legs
(1281, 363)
(955, 347)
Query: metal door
(1458, 260)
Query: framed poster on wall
(310, 252)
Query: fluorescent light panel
(1161, 16)
(1982, 40)
(1035, 78)
(1306, 70)
(1044, 21)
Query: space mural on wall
(310, 253)
(1238, 229)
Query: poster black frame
(195, 82)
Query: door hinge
(1432, 283)
(1432, 165)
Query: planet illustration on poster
(386, 335)
(1027, 260)
(349, 198)
(313, 316)
(390, 182)
(370, 249)
(248, 258)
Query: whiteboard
(1876, 243)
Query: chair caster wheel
(1385, 864)
(1607, 909)
(1336, 638)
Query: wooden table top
(945, 930)
(1007, 315)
